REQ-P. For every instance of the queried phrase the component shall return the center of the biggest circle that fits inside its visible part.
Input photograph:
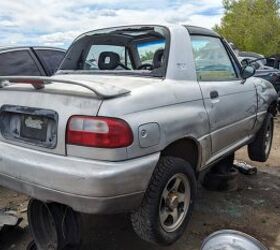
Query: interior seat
(108, 60)
(158, 58)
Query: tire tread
(256, 149)
(141, 218)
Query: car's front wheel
(168, 203)
(260, 148)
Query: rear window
(91, 62)
(17, 63)
(124, 50)
(51, 59)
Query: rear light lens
(100, 132)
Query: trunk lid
(37, 118)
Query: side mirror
(245, 62)
(247, 71)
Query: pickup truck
(30, 61)
(130, 120)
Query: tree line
(252, 25)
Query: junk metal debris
(230, 239)
(245, 168)
(9, 218)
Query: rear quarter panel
(175, 106)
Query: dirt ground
(254, 209)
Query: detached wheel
(222, 176)
(53, 226)
(224, 166)
(260, 148)
(168, 203)
(225, 182)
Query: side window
(50, 59)
(212, 60)
(18, 63)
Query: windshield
(132, 50)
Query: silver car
(130, 120)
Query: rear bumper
(87, 186)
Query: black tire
(224, 166)
(278, 101)
(146, 219)
(53, 226)
(260, 148)
(67, 225)
(31, 246)
(225, 182)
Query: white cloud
(57, 23)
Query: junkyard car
(130, 120)
(30, 61)
(268, 73)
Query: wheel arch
(187, 148)
(273, 108)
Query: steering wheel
(146, 66)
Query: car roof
(4, 48)
(250, 54)
(194, 30)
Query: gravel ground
(253, 209)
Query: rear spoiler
(102, 91)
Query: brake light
(100, 132)
(37, 84)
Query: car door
(230, 102)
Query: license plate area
(29, 125)
(34, 127)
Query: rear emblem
(33, 123)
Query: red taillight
(100, 132)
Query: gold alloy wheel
(174, 203)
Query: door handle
(214, 94)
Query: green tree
(252, 25)
(149, 55)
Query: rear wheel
(259, 149)
(168, 203)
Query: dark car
(274, 61)
(268, 73)
(30, 61)
(272, 75)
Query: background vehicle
(268, 73)
(128, 123)
(33, 61)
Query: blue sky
(58, 22)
